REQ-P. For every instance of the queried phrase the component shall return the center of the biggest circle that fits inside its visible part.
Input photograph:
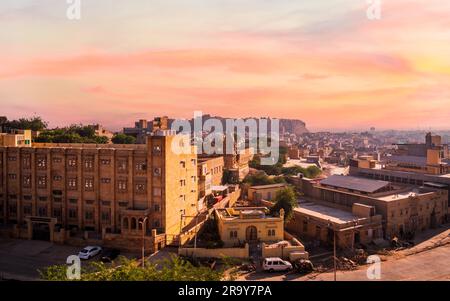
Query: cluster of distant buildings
(72, 193)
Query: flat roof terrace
(403, 194)
(325, 213)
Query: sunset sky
(321, 61)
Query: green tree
(287, 200)
(72, 134)
(261, 178)
(123, 139)
(309, 172)
(35, 123)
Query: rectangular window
(182, 164)
(42, 181)
(105, 180)
(12, 176)
(42, 211)
(88, 163)
(27, 210)
(72, 183)
(122, 165)
(12, 209)
(26, 162)
(73, 214)
(141, 166)
(42, 162)
(12, 158)
(26, 181)
(57, 212)
(89, 184)
(105, 161)
(89, 215)
(57, 178)
(106, 216)
(57, 160)
(157, 208)
(72, 162)
(122, 185)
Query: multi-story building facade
(99, 188)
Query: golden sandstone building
(98, 188)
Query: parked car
(303, 266)
(274, 264)
(89, 252)
(109, 255)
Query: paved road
(21, 259)
(423, 262)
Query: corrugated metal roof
(354, 183)
(416, 160)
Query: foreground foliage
(174, 269)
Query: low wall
(215, 253)
(282, 252)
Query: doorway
(251, 234)
(41, 231)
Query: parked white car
(274, 264)
(89, 252)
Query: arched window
(140, 223)
(125, 223)
(133, 223)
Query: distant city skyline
(323, 62)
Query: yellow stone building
(241, 225)
(99, 188)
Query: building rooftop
(354, 183)
(334, 215)
(403, 194)
(269, 186)
(416, 160)
(235, 213)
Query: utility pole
(330, 226)
(196, 231)
(181, 228)
(334, 251)
(144, 228)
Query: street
(428, 260)
(21, 259)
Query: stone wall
(215, 253)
